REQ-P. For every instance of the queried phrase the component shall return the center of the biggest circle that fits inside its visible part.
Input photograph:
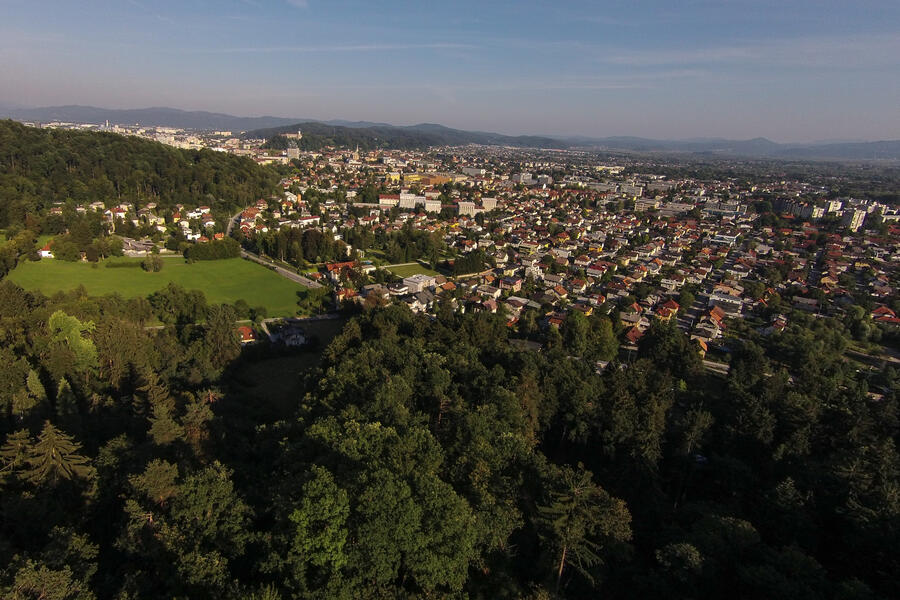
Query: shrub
(152, 264)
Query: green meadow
(407, 270)
(222, 281)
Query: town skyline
(736, 71)
(81, 116)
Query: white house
(418, 282)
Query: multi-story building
(853, 218)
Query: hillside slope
(41, 167)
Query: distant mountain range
(150, 117)
(368, 134)
(754, 148)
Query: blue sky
(787, 70)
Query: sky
(788, 70)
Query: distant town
(513, 231)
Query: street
(280, 270)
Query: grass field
(275, 384)
(407, 270)
(376, 256)
(221, 280)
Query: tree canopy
(433, 458)
(40, 168)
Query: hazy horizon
(300, 119)
(807, 71)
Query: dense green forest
(43, 167)
(430, 458)
(311, 246)
(298, 245)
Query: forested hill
(318, 135)
(369, 136)
(40, 167)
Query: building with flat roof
(467, 208)
(418, 282)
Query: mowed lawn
(221, 280)
(407, 270)
(277, 383)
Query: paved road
(268, 263)
(231, 223)
(691, 315)
(815, 274)
(875, 361)
(280, 270)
